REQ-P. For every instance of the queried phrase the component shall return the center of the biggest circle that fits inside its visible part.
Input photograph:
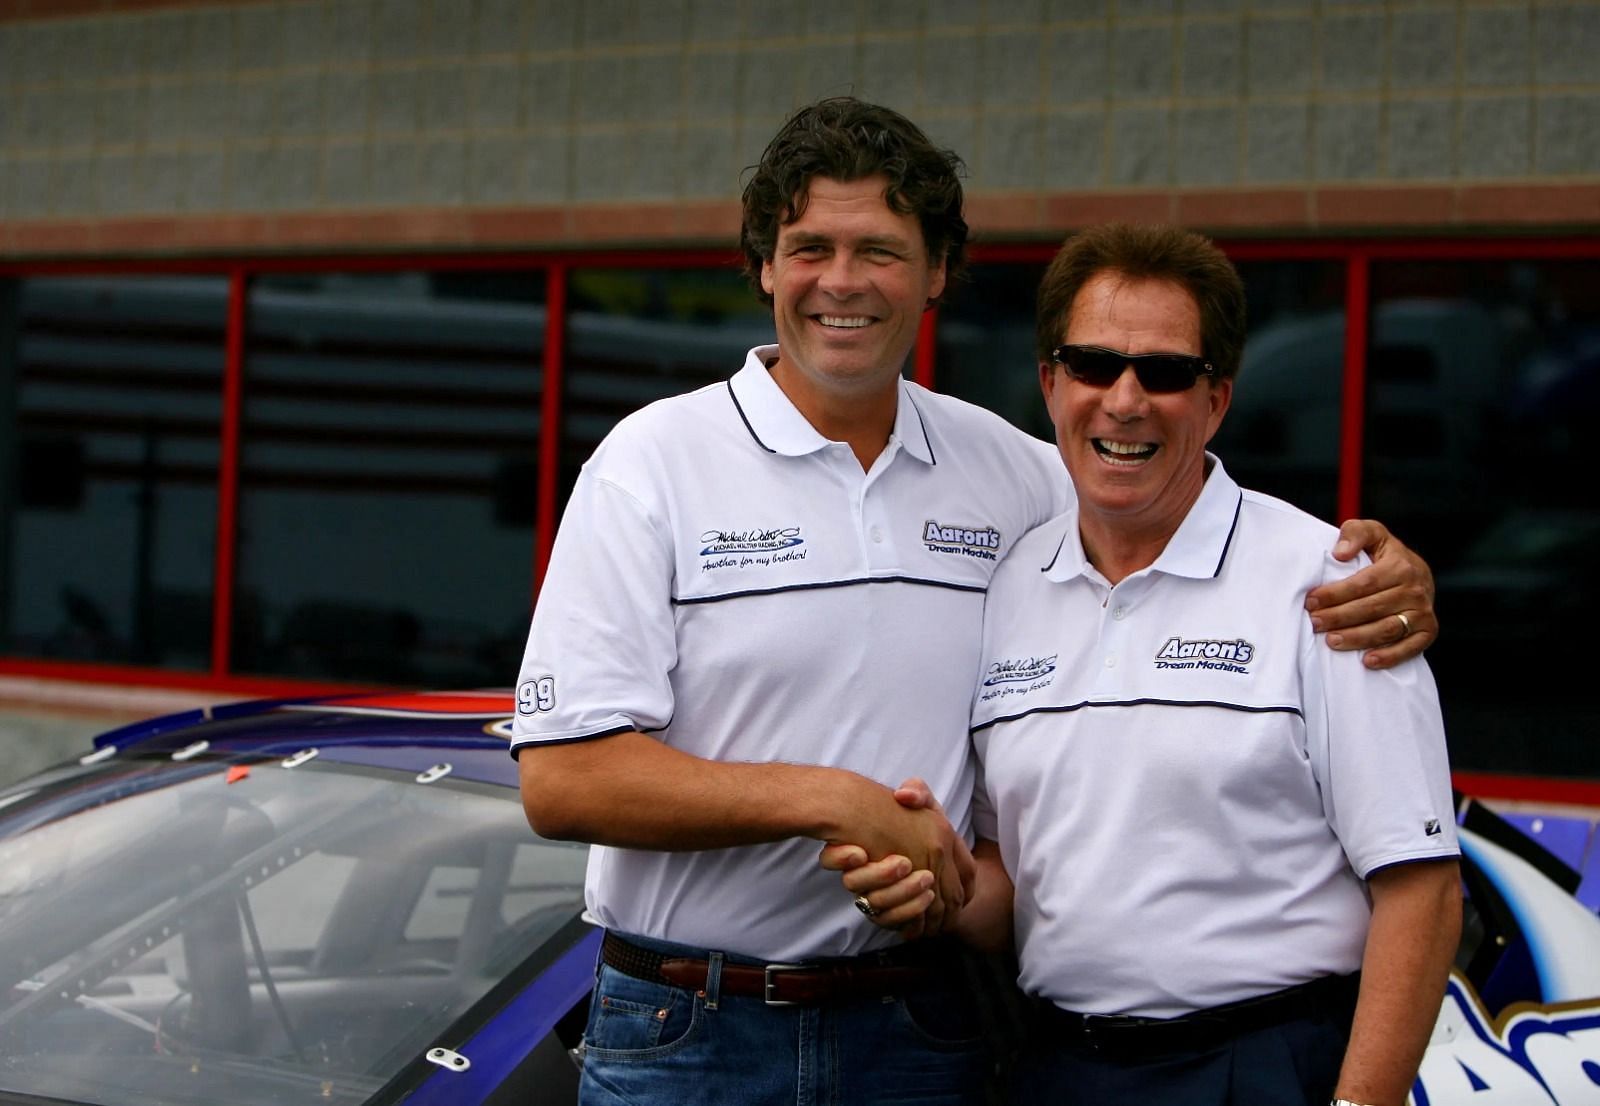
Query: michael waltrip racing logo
(982, 542)
(1023, 670)
(718, 542)
(1017, 676)
(752, 549)
(1215, 655)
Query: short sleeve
(603, 641)
(1377, 746)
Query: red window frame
(1357, 255)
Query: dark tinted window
(110, 406)
(638, 335)
(289, 937)
(1281, 435)
(387, 477)
(1484, 382)
(985, 344)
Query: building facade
(310, 309)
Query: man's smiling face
(1136, 457)
(849, 279)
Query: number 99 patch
(537, 696)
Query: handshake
(911, 872)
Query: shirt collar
(1199, 548)
(778, 426)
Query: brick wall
(136, 126)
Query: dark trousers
(1294, 1063)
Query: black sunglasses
(1157, 372)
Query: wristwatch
(1343, 1102)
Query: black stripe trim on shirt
(1060, 545)
(1233, 529)
(1142, 703)
(694, 599)
(533, 741)
(1454, 854)
(933, 458)
(746, 421)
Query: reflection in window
(1282, 434)
(110, 407)
(985, 351)
(1483, 381)
(387, 477)
(638, 335)
(290, 937)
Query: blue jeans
(651, 1043)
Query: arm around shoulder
(1386, 609)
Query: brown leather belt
(874, 975)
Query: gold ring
(1405, 625)
(866, 907)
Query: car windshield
(221, 932)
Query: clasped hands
(915, 899)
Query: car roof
(406, 731)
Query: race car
(336, 901)
(1520, 1022)
(339, 900)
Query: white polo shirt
(731, 582)
(1187, 786)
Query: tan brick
(1370, 207)
(53, 236)
(532, 226)
(1084, 208)
(1529, 203)
(620, 222)
(1240, 208)
(997, 214)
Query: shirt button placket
(1114, 646)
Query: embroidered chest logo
(982, 542)
(1215, 656)
(1018, 676)
(750, 548)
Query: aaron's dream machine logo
(982, 542)
(1219, 656)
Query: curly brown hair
(1149, 252)
(846, 139)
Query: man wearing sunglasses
(761, 614)
(1157, 373)
(1233, 850)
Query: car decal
(417, 705)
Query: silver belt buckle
(768, 983)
